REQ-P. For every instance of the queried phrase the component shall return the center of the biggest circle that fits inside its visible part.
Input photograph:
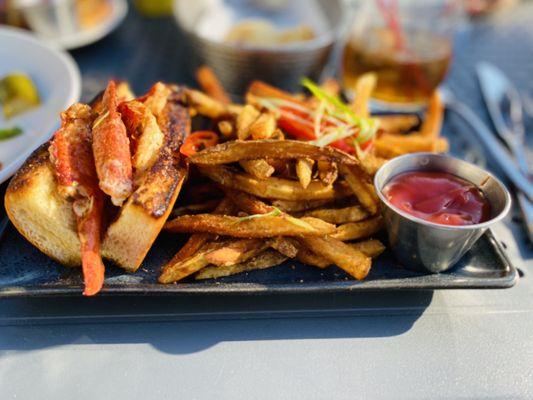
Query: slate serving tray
(25, 271)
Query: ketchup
(438, 197)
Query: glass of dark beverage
(406, 43)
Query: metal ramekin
(282, 65)
(427, 246)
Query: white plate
(57, 78)
(67, 36)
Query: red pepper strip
(198, 141)
(342, 145)
(296, 126)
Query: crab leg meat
(72, 158)
(111, 149)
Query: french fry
(308, 257)
(397, 123)
(352, 261)
(274, 188)
(210, 84)
(249, 227)
(371, 248)
(267, 259)
(263, 127)
(370, 163)
(304, 171)
(245, 120)
(435, 113)
(363, 190)
(278, 135)
(339, 215)
(262, 89)
(226, 128)
(236, 252)
(358, 230)
(299, 206)
(327, 172)
(235, 151)
(210, 107)
(284, 245)
(174, 270)
(259, 168)
(184, 268)
(221, 253)
(389, 146)
(248, 203)
(363, 89)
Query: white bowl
(58, 81)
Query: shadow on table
(182, 325)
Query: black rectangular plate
(24, 271)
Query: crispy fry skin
(266, 226)
(274, 188)
(371, 248)
(286, 246)
(266, 259)
(327, 172)
(247, 203)
(210, 84)
(304, 171)
(173, 271)
(362, 189)
(279, 149)
(298, 206)
(244, 121)
(358, 230)
(258, 168)
(353, 261)
(339, 215)
(111, 149)
(236, 252)
(72, 158)
(263, 127)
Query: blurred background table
(439, 344)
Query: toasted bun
(40, 214)
(142, 217)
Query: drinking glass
(406, 43)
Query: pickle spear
(18, 94)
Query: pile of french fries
(259, 197)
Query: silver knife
(506, 112)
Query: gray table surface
(425, 344)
